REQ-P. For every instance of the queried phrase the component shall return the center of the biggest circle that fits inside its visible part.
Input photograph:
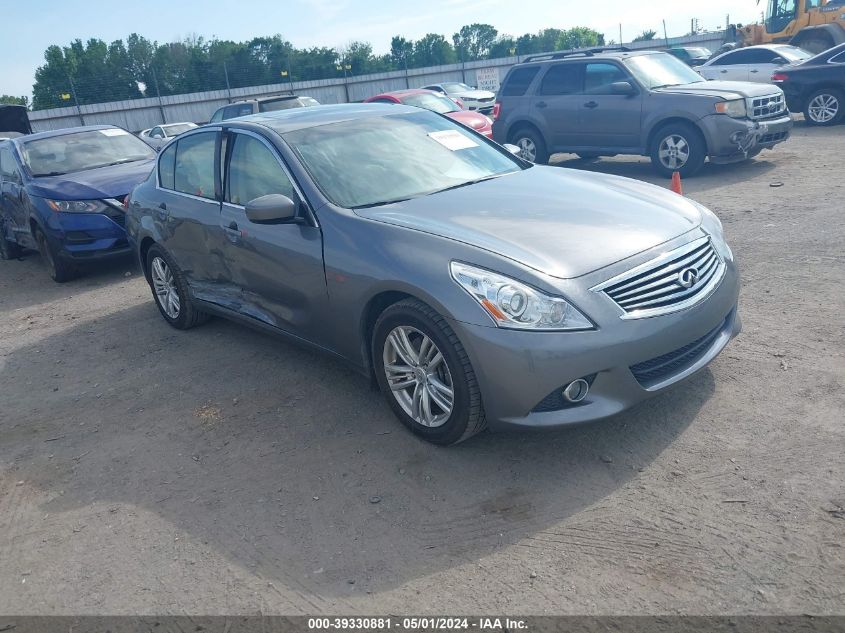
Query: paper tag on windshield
(113, 132)
(452, 139)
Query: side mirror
(622, 88)
(513, 149)
(271, 208)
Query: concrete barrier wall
(138, 114)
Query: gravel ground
(146, 470)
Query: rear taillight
(780, 77)
(497, 107)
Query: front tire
(825, 107)
(678, 147)
(170, 291)
(425, 374)
(59, 270)
(532, 146)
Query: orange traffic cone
(676, 183)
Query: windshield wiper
(49, 173)
(467, 183)
(370, 205)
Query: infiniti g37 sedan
(476, 288)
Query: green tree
(401, 51)
(11, 100)
(433, 50)
(473, 41)
(646, 36)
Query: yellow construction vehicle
(814, 25)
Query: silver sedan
(477, 289)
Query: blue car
(63, 192)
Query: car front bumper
(87, 236)
(730, 140)
(520, 373)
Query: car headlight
(513, 304)
(76, 206)
(734, 108)
(712, 225)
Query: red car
(430, 100)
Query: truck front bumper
(731, 140)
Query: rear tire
(532, 146)
(825, 107)
(59, 270)
(431, 387)
(678, 147)
(170, 291)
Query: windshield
(793, 53)
(432, 102)
(779, 13)
(660, 69)
(80, 151)
(380, 159)
(699, 52)
(455, 87)
(177, 128)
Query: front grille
(773, 138)
(485, 100)
(767, 107)
(658, 369)
(671, 282)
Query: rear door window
(562, 79)
(254, 171)
(519, 80)
(194, 166)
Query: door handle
(233, 231)
(541, 104)
(723, 71)
(753, 71)
(591, 105)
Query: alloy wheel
(527, 149)
(823, 108)
(418, 376)
(674, 151)
(164, 286)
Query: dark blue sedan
(63, 191)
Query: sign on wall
(487, 79)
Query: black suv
(263, 104)
(602, 103)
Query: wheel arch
(143, 249)
(521, 125)
(674, 120)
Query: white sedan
(160, 134)
(752, 63)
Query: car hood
(473, 94)
(562, 222)
(724, 89)
(471, 119)
(94, 184)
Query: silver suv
(602, 103)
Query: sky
(30, 26)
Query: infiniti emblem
(687, 278)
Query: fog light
(576, 391)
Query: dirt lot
(145, 470)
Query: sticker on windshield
(113, 132)
(453, 140)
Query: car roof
(283, 121)
(576, 55)
(66, 131)
(285, 97)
